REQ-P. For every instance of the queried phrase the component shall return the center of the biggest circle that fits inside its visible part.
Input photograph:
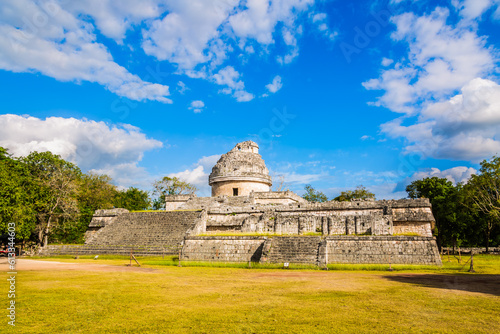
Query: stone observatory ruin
(245, 221)
(240, 172)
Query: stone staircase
(152, 229)
(291, 250)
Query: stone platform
(313, 250)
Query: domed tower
(240, 171)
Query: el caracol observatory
(283, 226)
(240, 171)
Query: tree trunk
(487, 238)
(46, 234)
(40, 237)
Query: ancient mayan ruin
(275, 227)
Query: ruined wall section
(313, 250)
(223, 249)
(331, 218)
(381, 249)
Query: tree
(132, 199)
(446, 206)
(359, 193)
(170, 186)
(484, 191)
(313, 195)
(55, 191)
(94, 192)
(279, 183)
(16, 204)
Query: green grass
(191, 299)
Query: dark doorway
(235, 191)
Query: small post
(390, 263)
(471, 270)
(180, 252)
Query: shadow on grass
(489, 284)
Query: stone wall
(331, 218)
(313, 250)
(244, 188)
(419, 228)
(381, 249)
(173, 202)
(292, 250)
(223, 249)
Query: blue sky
(336, 93)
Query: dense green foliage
(313, 195)
(132, 199)
(465, 214)
(359, 193)
(51, 200)
(170, 186)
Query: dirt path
(29, 265)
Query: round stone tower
(240, 171)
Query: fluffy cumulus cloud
(189, 34)
(197, 106)
(450, 108)
(47, 38)
(230, 78)
(199, 36)
(464, 127)
(320, 20)
(64, 39)
(198, 174)
(275, 85)
(441, 59)
(111, 149)
(460, 174)
(472, 9)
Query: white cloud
(472, 9)
(198, 175)
(184, 35)
(114, 18)
(460, 174)
(61, 39)
(91, 145)
(209, 162)
(366, 137)
(441, 59)
(181, 87)
(197, 106)
(320, 20)
(229, 77)
(260, 17)
(48, 39)
(465, 127)
(455, 174)
(275, 85)
(243, 96)
(387, 61)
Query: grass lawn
(164, 298)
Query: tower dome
(240, 171)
